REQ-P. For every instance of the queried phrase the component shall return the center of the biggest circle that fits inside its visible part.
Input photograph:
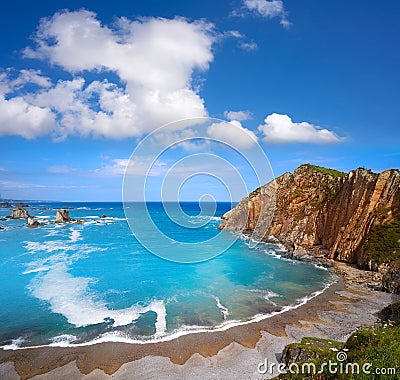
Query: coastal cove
(199, 190)
(334, 311)
(93, 282)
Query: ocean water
(66, 284)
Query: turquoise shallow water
(78, 283)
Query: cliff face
(321, 211)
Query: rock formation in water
(18, 213)
(62, 216)
(354, 217)
(34, 223)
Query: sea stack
(33, 223)
(62, 216)
(19, 213)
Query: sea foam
(71, 297)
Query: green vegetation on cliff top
(321, 169)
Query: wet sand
(234, 353)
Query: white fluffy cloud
(233, 134)
(268, 9)
(100, 109)
(281, 129)
(238, 115)
(17, 117)
(155, 60)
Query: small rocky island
(19, 213)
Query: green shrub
(383, 242)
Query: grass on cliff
(321, 169)
(383, 242)
(379, 346)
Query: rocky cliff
(351, 217)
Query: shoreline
(335, 314)
(226, 325)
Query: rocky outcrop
(391, 313)
(19, 213)
(321, 211)
(391, 279)
(307, 349)
(62, 216)
(34, 223)
(5, 204)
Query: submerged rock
(19, 213)
(34, 223)
(103, 216)
(62, 216)
(5, 205)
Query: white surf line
(224, 310)
(114, 336)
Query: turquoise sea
(65, 284)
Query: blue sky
(314, 81)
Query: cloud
(99, 109)
(61, 169)
(12, 185)
(18, 117)
(157, 62)
(232, 133)
(31, 77)
(281, 129)
(137, 166)
(12, 80)
(248, 46)
(242, 41)
(268, 9)
(232, 33)
(238, 115)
